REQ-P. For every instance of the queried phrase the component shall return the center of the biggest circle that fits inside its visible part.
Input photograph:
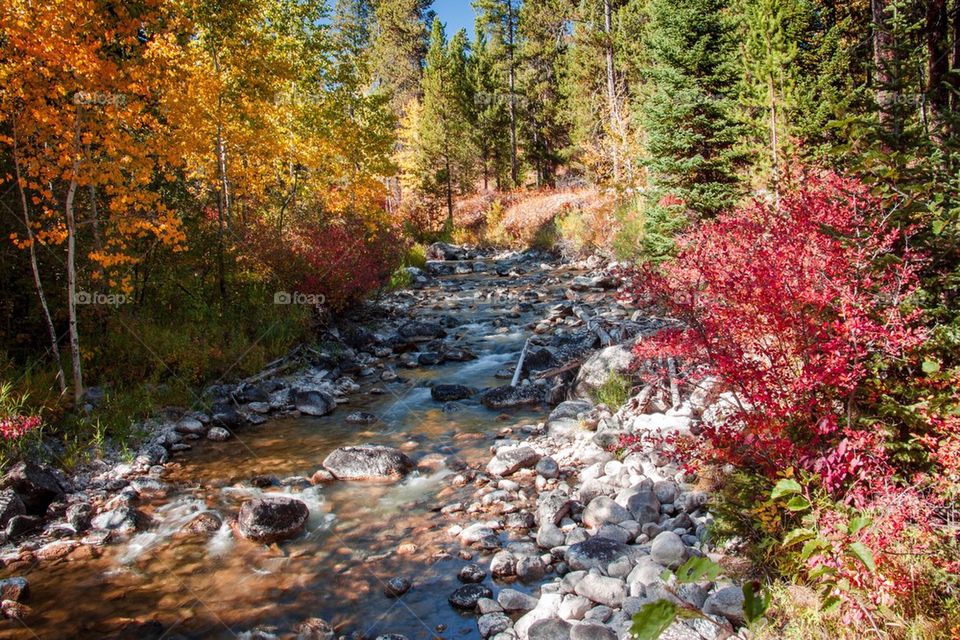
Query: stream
(162, 584)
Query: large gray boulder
(595, 553)
(35, 484)
(367, 462)
(272, 519)
(509, 461)
(598, 368)
(507, 397)
(313, 402)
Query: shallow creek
(221, 587)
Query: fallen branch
(593, 325)
(516, 373)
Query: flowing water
(164, 584)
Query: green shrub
(614, 392)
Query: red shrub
(790, 306)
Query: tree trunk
(611, 91)
(37, 282)
(514, 169)
(884, 59)
(72, 289)
(938, 68)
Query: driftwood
(593, 325)
(552, 373)
(519, 369)
(674, 391)
(272, 369)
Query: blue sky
(455, 14)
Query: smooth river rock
(367, 462)
(272, 519)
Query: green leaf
(653, 619)
(930, 366)
(812, 546)
(797, 535)
(756, 599)
(821, 571)
(696, 569)
(785, 487)
(860, 551)
(798, 503)
(830, 604)
(857, 524)
(665, 575)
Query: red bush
(790, 306)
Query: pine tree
(689, 114)
(399, 47)
(490, 119)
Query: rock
(602, 590)
(592, 631)
(548, 468)
(190, 426)
(668, 549)
(420, 331)
(547, 607)
(396, 587)
(530, 569)
(367, 462)
(508, 461)
(598, 368)
(643, 504)
(16, 589)
(574, 607)
(123, 520)
(550, 536)
(272, 519)
(726, 602)
(564, 419)
(513, 600)
(218, 434)
(313, 402)
(472, 573)
(14, 610)
(450, 392)
(549, 629)
(10, 505)
(595, 553)
(35, 484)
(507, 397)
(476, 532)
(315, 629)
(665, 490)
(646, 572)
(503, 565)
(553, 506)
(603, 510)
(491, 624)
(361, 417)
(204, 523)
(78, 516)
(447, 251)
(465, 598)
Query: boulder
(553, 506)
(564, 419)
(10, 505)
(595, 553)
(35, 484)
(507, 397)
(548, 468)
(592, 631)
(396, 587)
(513, 600)
(313, 402)
(602, 590)
(603, 510)
(367, 462)
(447, 251)
(668, 549)
(598, 368)
(272, 519)
(726, 602)
(490, 624)
(472, 573)
(508, 461)
(549, 629)
(450, 392)
(465, 598)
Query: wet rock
(668, 549)
(123, 520)
(549, 629)
(14, 610)
(16, 589)
(315, 629)
(313, 402)
(396, 587)
(204, 523)
(55, 550)
(149, 487)
(507, 397)
(465, 598)
(450, 392)
(218, 434)
(472, 573)
(530, 569)
(503, 565)
(35, 484)
(10, 505)
(224, 414)
(595, 553)
(272, 519)
(368, 462)
(190, 426)
(421, 331)
(78, 516)
(509, 461)
(361, 417)
(726, 602)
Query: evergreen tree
(489, 117)
(689, 114)
(399, 47)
